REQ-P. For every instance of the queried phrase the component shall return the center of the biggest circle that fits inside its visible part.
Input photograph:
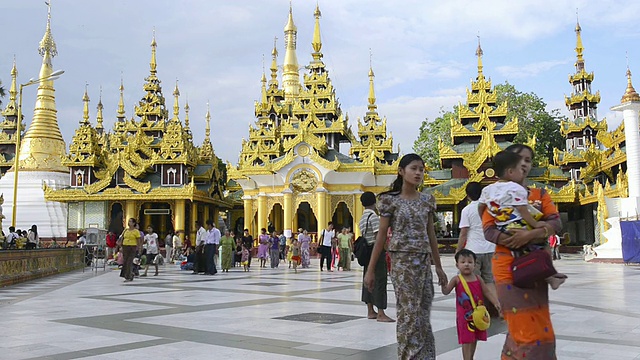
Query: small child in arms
(507, 202)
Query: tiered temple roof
(151, 156)
(295, 112)
(583, 129)
(8, 126)
(481, 130)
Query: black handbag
(362, 249)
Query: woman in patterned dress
(263, 248)
(412, 248)
(304, 240)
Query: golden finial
(85, 112)
(186, 113)
(207, 128)
(121, 111)
(176, 105)
(153, 63)
(317, 42)
(263, 80)
(630, 93)
(274, 63)
(479, 54)
(579, 49)
(372, 94)
(47, 44)
(291, 70)
(12, 109)
(99, 116)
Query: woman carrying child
(263, 248)
(468, 334)
(412, 248)
(526, 311)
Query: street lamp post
(53, 76)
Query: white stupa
(40, 159)
(621, 208)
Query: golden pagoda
(147, 168)
(294, 171)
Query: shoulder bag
(361, 248)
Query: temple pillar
(321, 196)
(288, 211)
(262, 212)
(130, 211)
(215, 216)
(248, 207)
(194, 218)
(146, 218)
(179, 213)
(358, 210)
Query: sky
(423, 54)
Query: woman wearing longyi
(526, 311)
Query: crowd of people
(503, 223)
(17, 238)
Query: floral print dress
(411, 275)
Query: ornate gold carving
(304, 180)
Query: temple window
(78, 178)
(171, 176)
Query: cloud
(531, 69)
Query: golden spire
(274, 64)
(85, 111)
(47, 48)
(43, 147)
(186, 114)
(263, 80)
(290, 73)
(372, 94)
(630, 93)
(207, 128)
(121, 111)
(317, 42)
(176, 105)
(12, 108)
(579, 48)
(479, 54)
(153, 65)
(99, 116)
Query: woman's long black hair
(396, 185)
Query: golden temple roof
(285, 118)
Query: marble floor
(277, 314)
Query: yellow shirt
(130, 237)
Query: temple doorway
(342, 217)
(276, 219)
(305, 218)
(116, 221)
(158, 215)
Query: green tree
(431, 132)
(2, 92)
(533, 120)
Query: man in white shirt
(201, 235)
(326, 238)
(472, 236)
(210, 244)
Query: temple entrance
(116, 221)
(276, 219)
(342, 217)
(158, 215)
(305, 218)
